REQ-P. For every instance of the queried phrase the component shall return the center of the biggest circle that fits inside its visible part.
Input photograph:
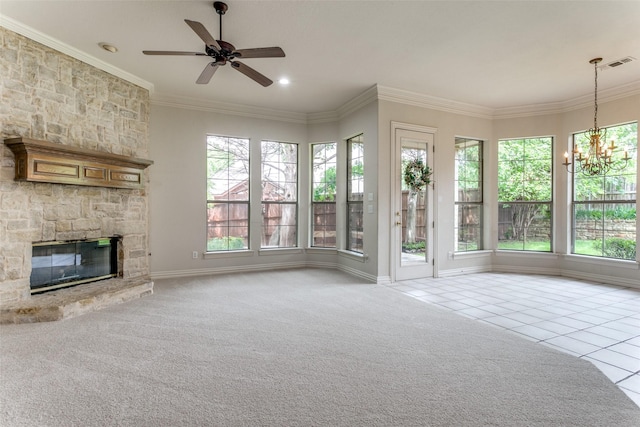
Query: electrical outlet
(194, 255)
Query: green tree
(325, 190)
(525, 180)
(324, 172)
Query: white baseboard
(465, 270)
(263, 267)
(609, 280)
(319, 264)
(551, 271)
(223, 270)
(384, 280)
(358, 273)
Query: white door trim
(395, 126)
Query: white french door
(413, 227)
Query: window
(604, 207)
(227, 193)
(279, 194)
(525, 194)
(323, 195)
(468, 195)
(355, 193)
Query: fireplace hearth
(76, 300)
(69, 278)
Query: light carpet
(304, 347)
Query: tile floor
(594, 321)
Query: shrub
(413, 247)
(617, 213)
(621, 213)
(596, 245)
(620, 248)
(225, 243)
(595, 215)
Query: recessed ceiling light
(284, 81)
(108, 47)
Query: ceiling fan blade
(251, 73)
(207, 73)
(202, 32)
(172, 52)
(260, 52)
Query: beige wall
(178, 182)
(178, 199)
(363, 121)
(561, 126)
(49, 96)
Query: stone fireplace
(51, 97)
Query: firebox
(56, 265)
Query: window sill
(618, 263)
(483, 253)
(279, 251)
(532, 254)
(353, 255)
(323, 251)
(228, 254)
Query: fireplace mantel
(42, 161)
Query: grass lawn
(582, 247)
(587, 247)
(516, 245)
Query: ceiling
(495, 55)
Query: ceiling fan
(222, 52)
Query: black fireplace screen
(61, 264)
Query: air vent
(619, 62)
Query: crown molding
(64, 48)
(585, 101)
(399, 96)
(323, 117)
(426, 101)
(228, 108)
(368, 96)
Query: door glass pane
(414, 196)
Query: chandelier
(599, 158)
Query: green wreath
(417, 175)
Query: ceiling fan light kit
(222, 52)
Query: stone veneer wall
(50, 96)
